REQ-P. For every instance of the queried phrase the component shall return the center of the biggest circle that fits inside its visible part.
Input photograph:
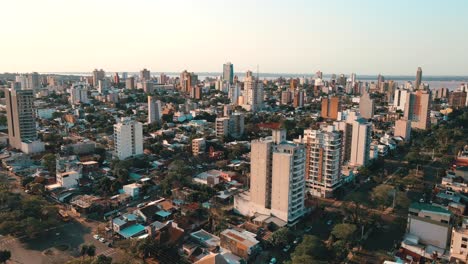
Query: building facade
(128, 138)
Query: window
(463, 246)
(464, 239)
(444, 221)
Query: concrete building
(323, 160)
(130, 82)
(240, 242)
(459, 243)
(399, 99)
(330, 108)
(228, 72)
(154, 110)
(417, 109)
(68, 179)
(234, 93)
(198, 146)
(21, 121)
(428, 231)
(403, 129)
(133, 189)
(417, 84)
(356, 139)
(128, 138)
(286, 97)
(298, 100)
(236, 125)
(98, 75)
(79, 94)
(277, 177)
(222, 126)
(253, 93)
(366, 105)
(145, 75)
(457, 99)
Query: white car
(103, 240)
(97, 237)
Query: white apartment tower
(277, 182)
(253, 93)
(128, 138)
(356, 139)
(79, 93)
(323, 160)
(154, 110)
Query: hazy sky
(289, 36)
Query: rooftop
(428, 207)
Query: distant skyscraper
(98, 75)
(187, 81)
(298, 100)
(162, 78)
(417, 109)
(130, 82)
(228, 72)
(154, 110)
(319, 75)
(366, 105)
(234, 93)
(79, 93)
(21, 120)
(330, 108)
(253, 93)
(116, 78)
(418, 78)
(128, 138)
(145, 75)
(323, 160)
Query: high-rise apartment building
(323, 160)
(234, 93)
(277, 176)
(366, 105)
(457, 99)
(403, 129)
(98, 75)
(298, 100)
(130, 82)
(128, 138)
(228, 72)
(400, 98)
(22, 133)
(356, 139)
(236, 125)
(187, 81)
(145, 75)
(253, 93)
(417, 109)
(330, 108)
(417, 84)
(154, 110)
(222, 126)
(79, 93)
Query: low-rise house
(428, 231)
(132, 189)
(459, 243)
(205, 238)
(241, 243)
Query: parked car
(97, 237)
(102, 240)
(286, 248)
(273, 261)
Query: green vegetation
(5, 255)
(25, 215)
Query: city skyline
(393, 38)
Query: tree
(382, 194)
(344, 232)
(89, 250)
(101, 259)
(311, 246)
(280, 237)
(49, 161)
(4, 256)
